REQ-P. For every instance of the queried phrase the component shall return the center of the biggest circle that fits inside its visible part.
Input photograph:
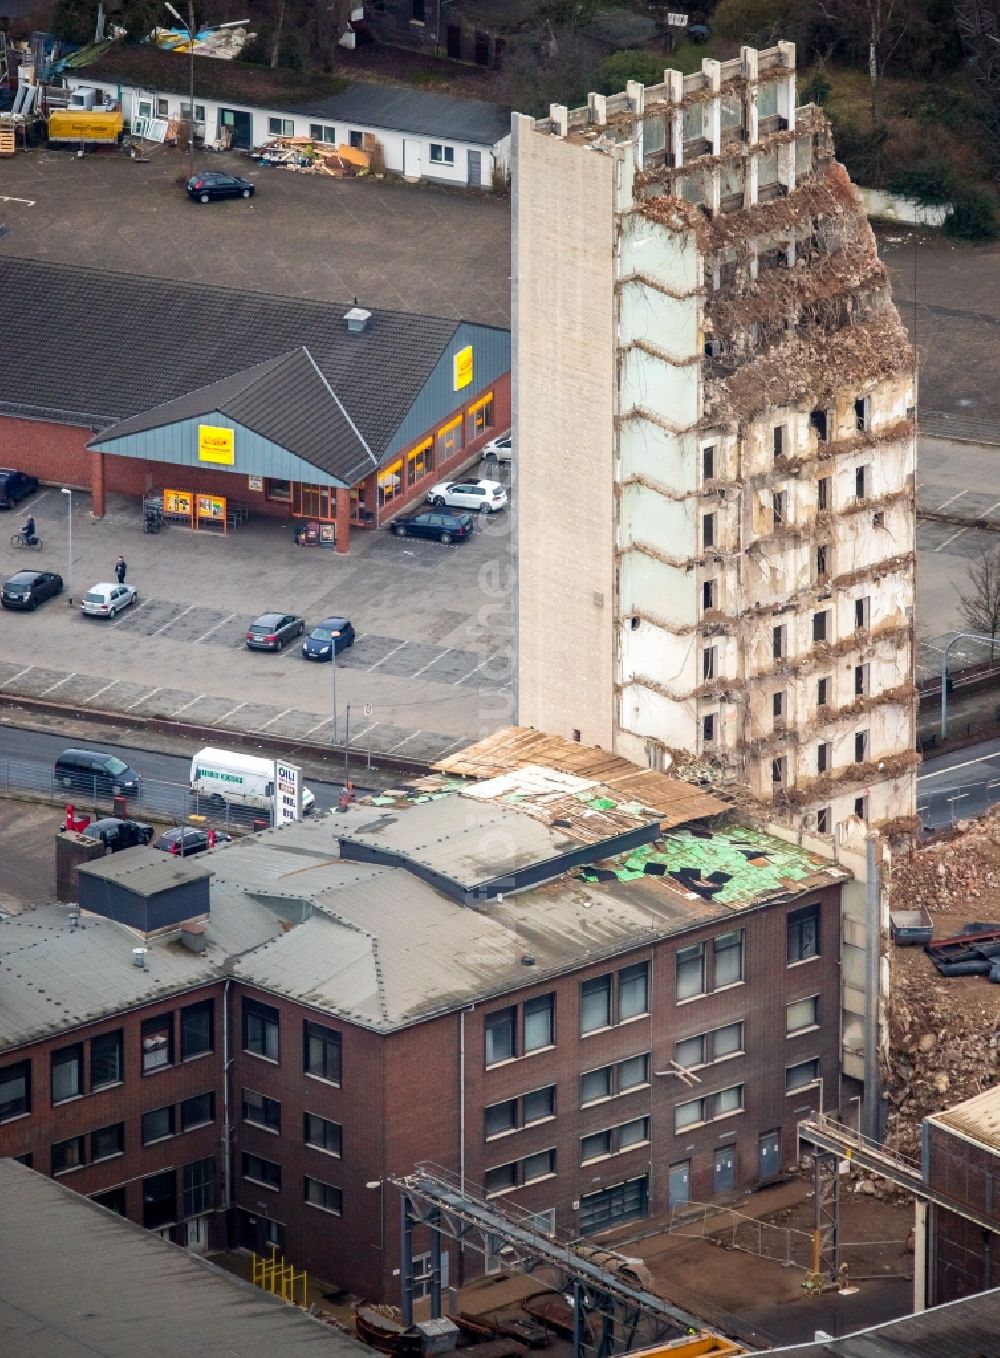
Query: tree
(980, 602)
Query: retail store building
(226, 401)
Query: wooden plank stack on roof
(515, 747)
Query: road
(27, 757)
(963, 783)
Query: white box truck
(238, 779)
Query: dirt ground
(27, 855)
(944, 1032)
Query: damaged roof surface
(383, 947)
(72, 371)
(55, 975)
(79, 1281)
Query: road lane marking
(184, 706)
(58, 684)
(130, 706)
(25, 202)
(983, 758)
(387, 655)
(198, 640)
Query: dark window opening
(107, 1065)
(260, 1029)
(823, 820)
(778, 440)
(15, 1091)
(159, 1200)
(820, 625)
(817, 419)
(778, 771)
(708, 595)
(778, 642)
(708, 530)
(823, 693)
(708, 463)
(708, 728)
(803, 934)
(778, 704)
(708, 662)
(821, 560)
(823, 757)
(860, 483)
(321, 1052)
(197, 1036)
(823, 493)
(860, 746)
(501, 1035)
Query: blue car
(319, 641)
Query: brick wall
(125, 1102)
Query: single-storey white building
(425, 135)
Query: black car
(96, 773)
(202, 188)
(337, 632)
(271, 631)
(185, 840)
(15, 486)
(435, 523)
(28, 589)
(116, 834)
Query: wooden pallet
(7, 145)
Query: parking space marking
(19, 675)
(129, 612)
(484, 661)
(318, 726)
(228, 714)
(447, 749)
(432, 662)
(170, 621)
(958, 494)
(58, 684)
(386, 656)
(25, 202)
(130, 706)
(92, 696)
(951, 539)
(184, 706)
(198, 640)
(412, 736)
(274, 719)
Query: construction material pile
(944, 1032)
(307, 156)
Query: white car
(485, 496)
(104, 600)
(502, 447)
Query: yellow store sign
(216, 445)
(463, 367)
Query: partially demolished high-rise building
(714, 444)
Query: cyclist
(28, 531)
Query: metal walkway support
(627, 1315)
(825, 1272)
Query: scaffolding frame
(627, 1315)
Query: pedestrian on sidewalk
(121, 566)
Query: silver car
(104, 600)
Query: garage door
(612, 1206)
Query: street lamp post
(333, 667)
(188, 26)
(69, 514)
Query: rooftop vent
(139, 958)
(357, 320)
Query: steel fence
(969, 428)
(944, 805)
(162, 800)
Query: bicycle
(20, 540)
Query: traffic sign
(368, 709)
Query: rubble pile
(944, 1032)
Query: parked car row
(273, 631)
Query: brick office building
(594, 1003)
(961, 1159)
(289, 407)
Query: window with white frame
(323, 132)
(281, 127)
(442, 155)
(704, 1048)
(801, 1015)
(607, 1082)
(613, 1140)
(802, 1075)
(709, 1107)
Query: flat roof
(977, 1118)
(966, 1328)
(80, 1281)
(146, 871)
(57, 974)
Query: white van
(239, 779)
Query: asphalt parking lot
(411, 247)
(430, 670)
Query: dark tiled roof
(962, 1329)
(284, 399)
(384, 106)
(417, 111)
(107, 346)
